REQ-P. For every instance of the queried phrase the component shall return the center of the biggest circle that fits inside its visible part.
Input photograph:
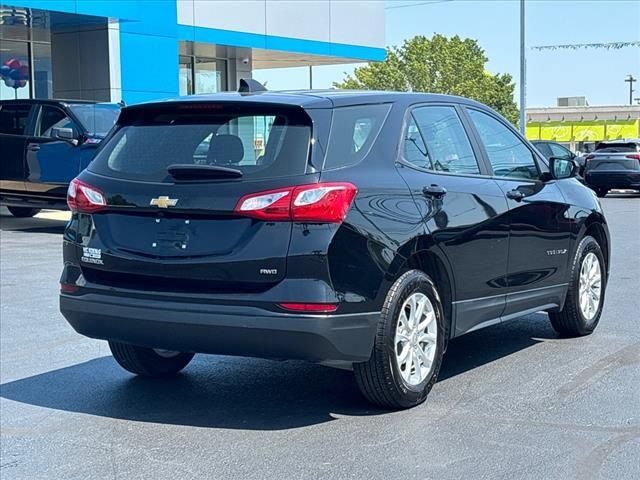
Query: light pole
(630, 79)
(523, 75)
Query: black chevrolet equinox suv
(352, 229)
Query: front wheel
(149, 362)
(585, 297)
(23, 212)
(409, 345)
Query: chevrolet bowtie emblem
(163, 202)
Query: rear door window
(414, 151)
(353, 133)
(14, 119)
(447, 144)
(262, 144)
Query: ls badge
(163, 202)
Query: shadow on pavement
(240, 393)
(32, 225)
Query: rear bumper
(622, 180)
(221, 329)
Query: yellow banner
(622, 129)
(557, 131)
(588, 131)
(533, 131)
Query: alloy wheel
(416, 339)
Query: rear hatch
(612, 162)
(172, 177)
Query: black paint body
(492, 258)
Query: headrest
(225, 150)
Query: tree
(453, 66)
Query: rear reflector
(310, 307)
(68, 288)
(315, 203)
(84, 198)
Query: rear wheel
(587, 285)
(23, 212)
(408, 348)
(602, 192)
(149, 362)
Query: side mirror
(65, 134)
(563, 167)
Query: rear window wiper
(198, 172)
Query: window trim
(535, 155)
(475, 147)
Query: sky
(597, 74)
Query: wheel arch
(594, 226)
(434, 266)
(429, 260)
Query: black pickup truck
(44, 144)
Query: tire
(148, 362)
(602, 192)
(381, 379)
(23, 212)
(571, 320)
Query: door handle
(33, 148)
(434, 190)
(516, 195)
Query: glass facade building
(133, 50)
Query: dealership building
(580, 126)
(138, 50)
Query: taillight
(315, 203)
(589, 157)
(635, 156)
(84, 198)
(310, 307)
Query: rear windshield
(96, 118)
(265, 143)
(617, 147)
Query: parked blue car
(44, 144)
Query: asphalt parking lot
(513, 401)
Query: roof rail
(249, 85)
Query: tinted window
(509, 156)
(52, 118)
(13, 119)
(414, 150)
(447, 143)
(260, 145)
(543, 148)
(559, 151)
(353, 131)
(618, 147)
(98, 118)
